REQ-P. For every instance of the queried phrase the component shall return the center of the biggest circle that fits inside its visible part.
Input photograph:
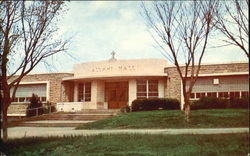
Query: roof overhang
(111, 77)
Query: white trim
(222, 74)
(16, 114)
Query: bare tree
(27, 36)
(232, 21)
(181, 31)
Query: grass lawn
(132, 145)
(214, 118)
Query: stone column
(131, 91)
(75, 92)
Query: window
(234, 94)
(211, 94)
(244, 94)
(141, 89)
(21, 99)
(199, 95)
(152, 88)
(15, 100)
(43, 99)
(192, 96)
(147, 89)
(223, 94)
(28, 99)
(84, 92)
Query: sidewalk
(20, 132)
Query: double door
(116, 94)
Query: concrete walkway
(20, 132)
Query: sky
(97, 28)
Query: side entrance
(116, 94)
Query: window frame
(83, 94)
(147, 91)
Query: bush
(239, 103)
(34, 103)
(50, 107)
(154, 104)
(210, 103)
(217, 103)
(125, 109)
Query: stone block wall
(173, 86)
(55, 80)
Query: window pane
(87, 98)
(142, 94)
(192, 96)
(80, 92)
(152, 81)
(203, 94)
(211, 94)
(15, 100)
(141, 88)
(21, 99)
(138, 82)
(153, 94)
(87, 94)
(28, 99)
(153, 88)
(237, 94)
(221, 94)
(244, 94)
(199, 95)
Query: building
(112, 84)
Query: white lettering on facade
(111, 68)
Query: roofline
(108, 60)
(47, 73)
(212, 63)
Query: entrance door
(116, 94)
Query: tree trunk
(4, 123)
(187, 109)
(4, 107)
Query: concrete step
(70, 118)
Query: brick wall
(173, 85)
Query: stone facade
(54, 79)
(173, 89)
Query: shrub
(239, 103)
(34, 103)
(217, 103)
(154, 104)
(50, 107)
(210, 103)
(125, 109)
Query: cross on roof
(113, 55)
